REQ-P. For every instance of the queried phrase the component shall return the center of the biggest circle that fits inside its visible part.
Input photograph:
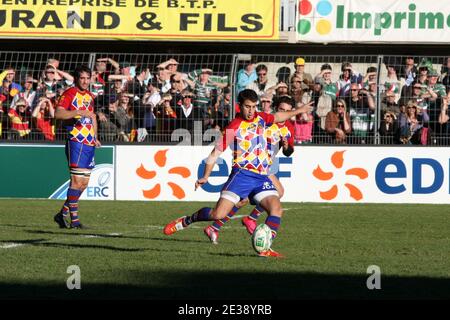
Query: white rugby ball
(262, 238)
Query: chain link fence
(358, 100)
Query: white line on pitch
(11, 245)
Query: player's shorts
(80, 155)
(243, 183)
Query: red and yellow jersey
(80, 129)
(19, 123)
(277, 132)
(248, 142)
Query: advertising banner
(312, 174)
(41, 171)
(390, 21)
(141, 19)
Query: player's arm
(64, 114)
(286, 115)
(97, 141)
(210, 162)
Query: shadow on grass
(101, 235)
(236, 285)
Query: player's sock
(254, 215)
(274, 223)
(65, 209)
(219, 223)
(203, 214)
(72, 197)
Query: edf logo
(224, 171)
(418, 164)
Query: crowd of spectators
(136, 103)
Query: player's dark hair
(79, 70)
(247, 94)
(283, 99)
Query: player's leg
(81, 161)
(273, 206)
(250, 221)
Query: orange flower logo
(337, 159)
(160, 160)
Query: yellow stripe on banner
(143, 19)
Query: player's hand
(86, 114)
(200, 182)
(285, 143)
(97, 144)
(305, 107)
(241, 203)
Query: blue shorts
(243, 183)
(80, 155)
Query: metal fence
(358, 100)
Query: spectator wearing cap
(20, 127)
(187, 114)
(28, 92)
(347, 76)
(305, 78)
(43, 116)
(246, 76)
(435, 94)
(262, 84)
(205, 90)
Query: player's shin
(204, 214)
(219, 223)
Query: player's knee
(218, 214)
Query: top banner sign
(389, 21)
(141, 19)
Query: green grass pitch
(125, 255)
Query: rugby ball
(262, 238)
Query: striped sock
(273, 223)
(72, 197)
(65, 209)
(219, 223)
(201, 215)
(256, 213)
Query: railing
(377, 102)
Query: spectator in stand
(266, 103)
(347, 77)
(388, 128)
(101, 75)
(370, 77)
(187, 114)
(125, 103)
(225, 103)
(149, 102)
(361, 108)
(43, 116)
(445, 74)
(442, 131)
(436, 92)
(262, 84)
(324, 78)
(281, 90)
(20, 121)
(304, 77)
(409, 71)
(28, 92)
(388, 104)
(113, 122)
(165, 115)
(303, 128)
(420, 95)
(51, 81)
(412, 124)
(204, 89)
(392, 83)
(297, 91)
(9, 89)
(114, 89)
(170, 65)
(338, 123)
(163, 78)
(422, 77)
(177, 86)
(246, 76)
